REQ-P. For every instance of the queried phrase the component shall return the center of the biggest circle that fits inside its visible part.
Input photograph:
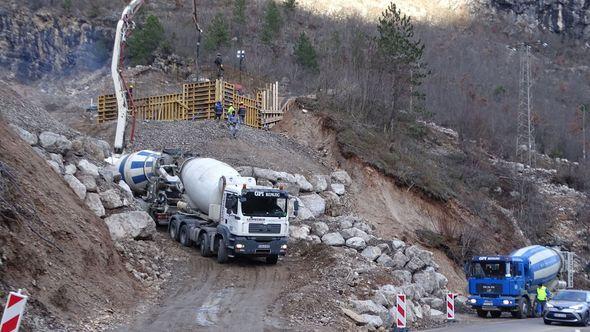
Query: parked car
(568, 306)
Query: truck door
(230, 211)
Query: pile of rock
(412, 267)
(100, 187)
(317, 194)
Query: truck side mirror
(295, 208)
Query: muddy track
(207, 296)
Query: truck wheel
(205, 250)
(221, 252)
(172, 230)
(185, 239)
(272, 259)
(523, 309)
(496, 314)
(482, 313)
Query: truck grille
(262, 228)
(489, 288)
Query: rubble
(87, 167)
(55, 143)
(28, 137)
(76, 186)
(94, 204)
(333, 239)
(111, 199)
(315, 203)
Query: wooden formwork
(197, 101)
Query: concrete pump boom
(124, 28)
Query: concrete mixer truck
(508, 283)
(207, 203)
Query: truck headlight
(577, 306)
(239, 246)
(472, 301)
(506, 302)
(284, 247)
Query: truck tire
(482, 313)
(184, 237)
(205, 250)
(221, 251)
(523, 309)
(272, 259)
(172, 230)
(496, 314)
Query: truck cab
(498, 284)
(254, 221)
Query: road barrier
(400, 311)
(450, 306)
(13, 312)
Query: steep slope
(52, 245)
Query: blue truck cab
(508, 283)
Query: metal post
(241, 55)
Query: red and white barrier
(400, 311)
(13, 312)
(450, 306)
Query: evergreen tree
(290, 4)
(305, 53)
(402, 55)
(272, 23)
(145, 41)
(218, 34)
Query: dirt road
(207, 296)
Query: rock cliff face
(571, 17)
(35, 44)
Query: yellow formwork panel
(195, 102)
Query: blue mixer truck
(508, 283)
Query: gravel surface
(265, 149)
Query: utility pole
(199, 32)
(241, 55)
(584, 110)
(525, 139)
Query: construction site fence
(197, 102)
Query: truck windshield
(253, 206)
(488, 269)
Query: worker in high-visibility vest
(542, 295)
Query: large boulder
(96, 148)
(111, 199)
(299, 232)
(55, 143)
(77, 186)
(110, 174)
(333, 239)
(385, 260)
(303, 184)
(400, 260)
(338, 188)
(356, 243)
(441, 279)
(89, 182)
(70, 169)
(54, 165)
(403, 276)
(413, 291)
(371, 253)
(318, 182)
(273, 176)
(87, 167)
(427, 279)
(434, 302)
(136, 225)
(372, 320)
(355, 232)
(334, 205)
(341, 176)
(398, 244)
(320, 228)
(26, 136)
(315, 203)
(94, 204)
(358, 319)
(245, 171)
(419, 258)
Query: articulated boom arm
(124, 28)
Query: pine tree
(145, 41)
(305, 53)
(218, 34)
(272, 23)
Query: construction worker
(219, 64)
(218, 110)
(231, 110)
(542, 295)
(242, 113)
(233, 122)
